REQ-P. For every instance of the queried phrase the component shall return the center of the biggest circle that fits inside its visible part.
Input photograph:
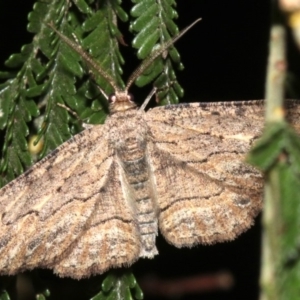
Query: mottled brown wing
(206, 193)
(62, 214)
(111, 237)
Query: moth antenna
(87, 58)
(146, 101)
(146, 63)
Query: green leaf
(151, 73)
(83, 6)
(154, 26)
(148, 41)
(144, 19)
(36, 90)
(141, 7)
(6, 75)
(40, 9)
(103, 46)
(119, 11)
(17, 59)
(277, 139)
(289, 273)
(151, 28)
(119, 285)
(266, 151)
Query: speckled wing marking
(63, 213)
(96, 202)
(206, 193)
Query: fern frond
(49, 72)
(154, 26)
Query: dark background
(225, 59)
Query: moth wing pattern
(293, 114)
(58, 201)
(110, 237)
(206, 193)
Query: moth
(98, 201)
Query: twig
(274, 113)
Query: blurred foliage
(278, 153)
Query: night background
(225, 58)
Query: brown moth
(98, 200)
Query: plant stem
(272, 222)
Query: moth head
(120, 101)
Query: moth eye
(130, 97)
(112, 98)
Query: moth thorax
(120, 101)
